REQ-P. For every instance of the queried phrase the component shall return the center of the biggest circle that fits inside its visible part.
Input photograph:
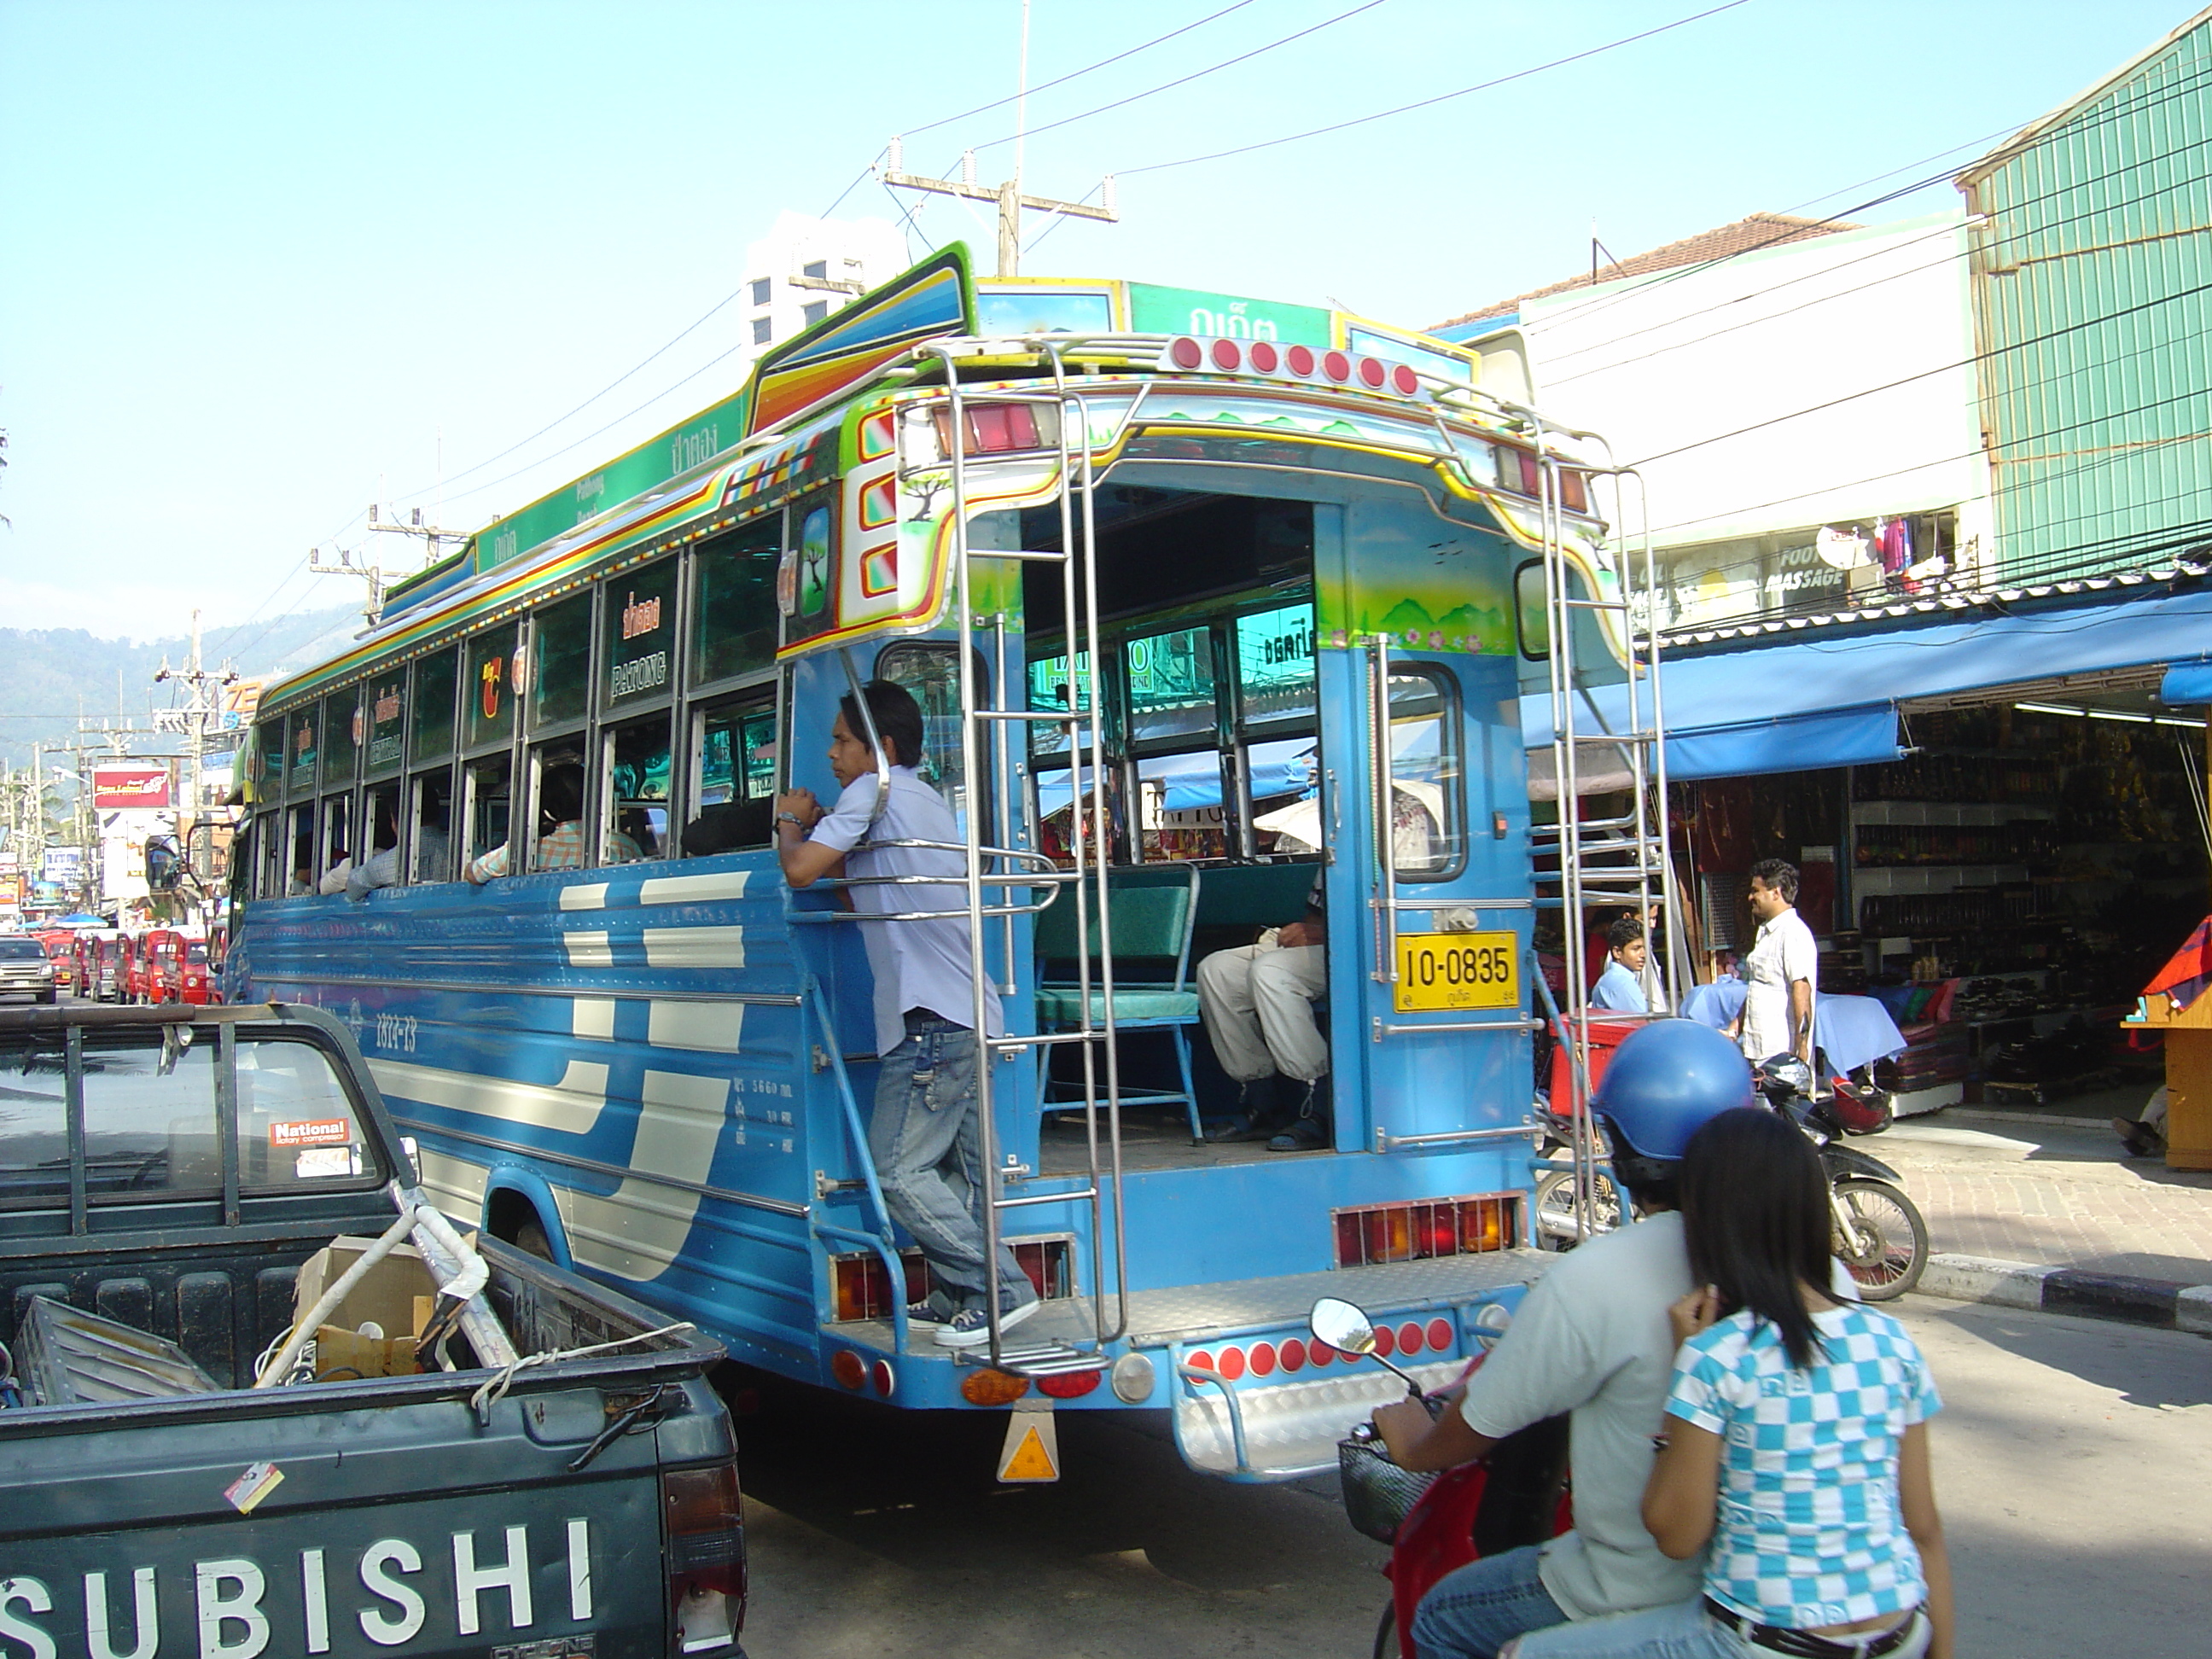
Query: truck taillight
(1000, 429)
(1424, 1231)
(705, 1519)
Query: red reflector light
(1202, 1362)
(1373, 372)
(1320, 1354)
(848, 1368)
(1300, 358)
(1440, 1335)
(1532, 472)
(1574, 490)
(1232, 1363)
(1386, 1341)
(1337, 367)
(1069, 1385)
(881, 1379)
(1409, 1337)
(1294, 1355)
(1265, 358)
(1187, 353)
(1226, 356)
(1263, 1359)
(1405, 380)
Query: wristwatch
(791, 818)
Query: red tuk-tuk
(176, 966)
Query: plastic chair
(1151, 924)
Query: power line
(1940, 368)
(1857, 288)
(2119, 112)
(1199, 75)
(1000, 103)
(1441, 98)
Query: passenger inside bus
(561, 830)
(432, 855)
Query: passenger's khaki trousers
(1257, 1002)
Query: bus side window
(634, 791)
(487, 808)
(932, 673)
(300, 873)
(733, 782)
(1428, 839)
(554, 828)
(430, 833)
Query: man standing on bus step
(923, 1138)
(1782, 972)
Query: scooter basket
(1377, 1493)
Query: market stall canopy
(1833, 700)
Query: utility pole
(357, 561)
(203, 707)
(1007, 195)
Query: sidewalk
(2052, 1186)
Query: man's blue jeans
(928, 1157)
(1475, 1610)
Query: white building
(805, 269)
(1800, 398)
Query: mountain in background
(48, 676)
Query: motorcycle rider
(1591, 1339)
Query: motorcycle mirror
(1342, 1325)
(1785, 1075)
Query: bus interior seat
(1150, 918)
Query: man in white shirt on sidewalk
(1780, 974)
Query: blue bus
(1203, 599)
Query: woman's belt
(1803, 1643)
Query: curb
(2161, 1304)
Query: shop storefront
(1999, 824)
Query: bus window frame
(466, 809)
(1452, 743)
(468, 756)
(368, 770)
(1245, 733)
(534, 739)
(418, 757)
(687, 642)
(335, 805)
(410, 802)
(890, 653)
(340, 709)
(609, 729)
(763, 693)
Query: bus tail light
(1000, 429)
(1068, 1385)
(1426, 1231)
(705, 1520)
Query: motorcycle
(1878, 1234)
(1514, 1495)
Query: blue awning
(1832, 701)
(2186, 685)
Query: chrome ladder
(1623, 859)
(995, 744)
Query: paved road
(2074, 1464)
(2022, 1188)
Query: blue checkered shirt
(1809, 1530)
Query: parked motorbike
(1879, 1236)
(1515, 1495)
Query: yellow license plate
(1456, 970)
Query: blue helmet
(1665, 1081)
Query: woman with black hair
(1796, 1438)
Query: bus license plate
(1456, 970)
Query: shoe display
(971, 1327)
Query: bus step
(1039, 1359)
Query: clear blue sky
(260, 257)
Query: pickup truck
(166, 1175)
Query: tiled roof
(1746, 236)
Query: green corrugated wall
(2091, 314)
